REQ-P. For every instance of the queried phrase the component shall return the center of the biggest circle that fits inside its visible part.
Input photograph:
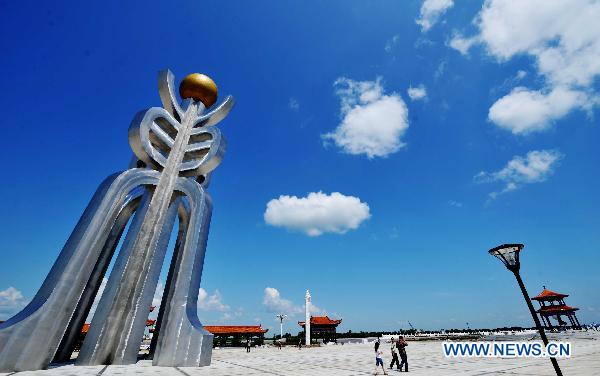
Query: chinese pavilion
(234, 335)
(322, 327)
(552, 304)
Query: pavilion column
(546, 321)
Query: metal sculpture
(176, 148)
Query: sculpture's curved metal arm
(29, 340)
(182, 340)
(73, 333)
(205, 155)
(216, 115)
(166, 90)
(118, 325)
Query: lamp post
(509, 255)
(281, 317)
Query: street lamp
(281, 317)
(509, 255)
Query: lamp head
(509, 255)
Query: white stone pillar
(307, 321)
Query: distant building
(552, 305)
(237, 335)
(322, 327)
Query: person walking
(377, 344)
(401, 345)
(379, 361)
(248, 345)
(394, 351)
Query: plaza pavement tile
(425, 358)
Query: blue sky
(390, 200)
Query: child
(379, 361)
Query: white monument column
(307, 321)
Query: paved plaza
(425, 358)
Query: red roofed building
(552, 305)
(236, 329)
(234, 335)
(322, 327)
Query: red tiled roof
(556, 309)
(235, 329)
(549, 295)
(321, 320)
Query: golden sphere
(200, 88)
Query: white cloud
(439, 71)
(521, 74)
(462, 44)
(293, 104)
(562, 37)
(372, 123)
(456, 204)
(212, 302)
(226, 317)
(535, 167)
(231, 316)
(431, 11)
(389, 45)
(10, 296)
(524, 111)
(274, 303)
(317, 311)
(509, 83)
(417, 93)
(317, 213)
(11, 302)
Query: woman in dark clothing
(401, 345)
